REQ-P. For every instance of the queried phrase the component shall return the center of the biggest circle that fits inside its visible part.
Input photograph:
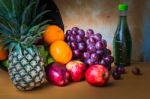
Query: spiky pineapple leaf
(20, 22)
(26, 15)
(5, 7)
(39, 16)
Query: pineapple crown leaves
(20, 22)
(19, 48)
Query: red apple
(57, 74)
(76, 69)
(97, 75)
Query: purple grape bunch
(89, 47)
(75, 39)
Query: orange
(3, 53)
(53, 33)
(61, 52)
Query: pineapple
(20, 26)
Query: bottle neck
(122, 21)
(123, 13)
(123, 18)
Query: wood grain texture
(130, 87)
(102, 16)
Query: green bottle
(122, 42)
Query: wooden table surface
(130, 87)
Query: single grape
(116, 75)
(136, 71)
(120, 69)
(68, 32)
(111, 59)
(77, 53)
(74, 33)
(89, 32)
(93, 60)
(100, 52)
(102, 62)
(91, 48)
(90, 62)
(86, 55)
(87, 41)
(98, 36)
(81, 46)
(72, 38)
(92, 40)
(94, 56)
(108, 59)
(104, 43)
(68, 38)
(99, 45)
(75, 29)
(81, 33)
(79, 38)
(74, 45)
(107, 52)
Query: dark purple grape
(104, 43)
(120, 69)
(99, 45)
(94, 56)
(82, 46)
(116, 75)
(72, 38)
(111, 59)
(108, 59)
(79, 38)
(81, 33)
(92, 40)
(100, 52)
(74, 33)
(68, 32)
(91, 48)
(102, 62)
(90, 62)
(87, 41)
(74, 45)
(89, 32)
(107, 52)
(77, 53)
(75, 29)
(136, 71)
(68, 38)
(86, 55)
(98, 36)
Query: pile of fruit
(33, 50)
(89, 47)
(80, 55)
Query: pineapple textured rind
(26, 73)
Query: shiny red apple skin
(97, 75)
(76, 69)
(57, 74)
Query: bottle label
(122, 52)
